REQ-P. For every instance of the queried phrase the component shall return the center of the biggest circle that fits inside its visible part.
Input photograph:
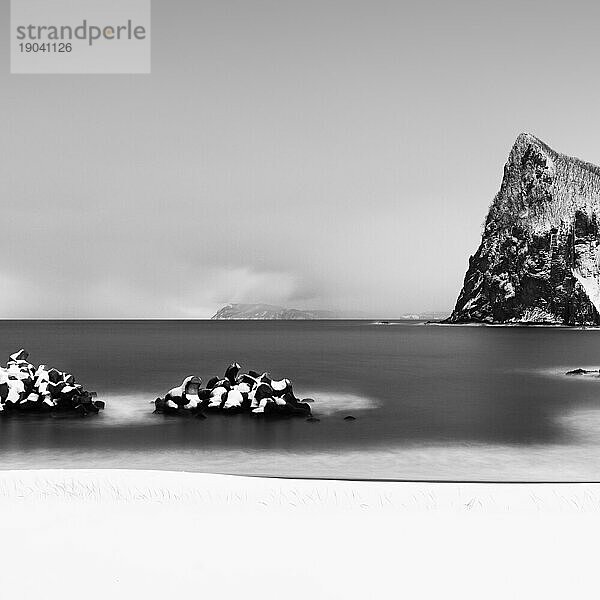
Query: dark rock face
(582, 372)
(538, 261)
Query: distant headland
(269, 312)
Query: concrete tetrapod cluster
(25, 388)
(252, 393)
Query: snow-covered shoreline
(516, 325)
(115, 486)
(156, 534)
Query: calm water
(432, 402)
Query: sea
(431, 402)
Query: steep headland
(538, 261)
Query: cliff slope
(538, 261)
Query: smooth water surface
(431, 402)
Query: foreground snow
(151, 534)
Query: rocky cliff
(268, 312)
(538, 261)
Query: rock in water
(538, 258)
(250, 393)
(25, 388)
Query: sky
(325, 154)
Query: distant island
(432, 315)
(269, 312)
(538, 261)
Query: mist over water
(430, 402)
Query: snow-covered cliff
(538, 261)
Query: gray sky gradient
(320, 154)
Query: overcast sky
(322, 154)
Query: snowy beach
(151, 534)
